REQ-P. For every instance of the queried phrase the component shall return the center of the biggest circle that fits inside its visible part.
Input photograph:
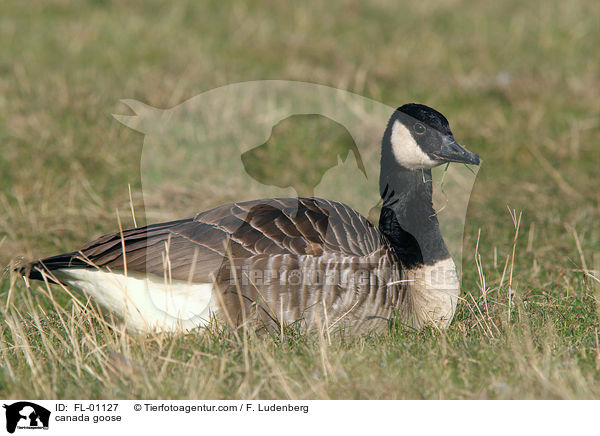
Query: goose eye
(419, 128)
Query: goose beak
(452, 151)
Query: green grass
(519, 83)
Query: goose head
(419, 137)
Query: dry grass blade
(554, 173)
(517, 223)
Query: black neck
(407, 217)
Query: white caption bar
(158, 417)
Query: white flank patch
(434, 291)
(145, 303)
(406, 150)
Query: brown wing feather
(238, 231)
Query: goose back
(303, 260)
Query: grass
(519, 83)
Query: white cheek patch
(406, 150)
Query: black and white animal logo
(26, 415)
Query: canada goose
(309, 261)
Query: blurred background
(519, 82)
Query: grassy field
(520, 84)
